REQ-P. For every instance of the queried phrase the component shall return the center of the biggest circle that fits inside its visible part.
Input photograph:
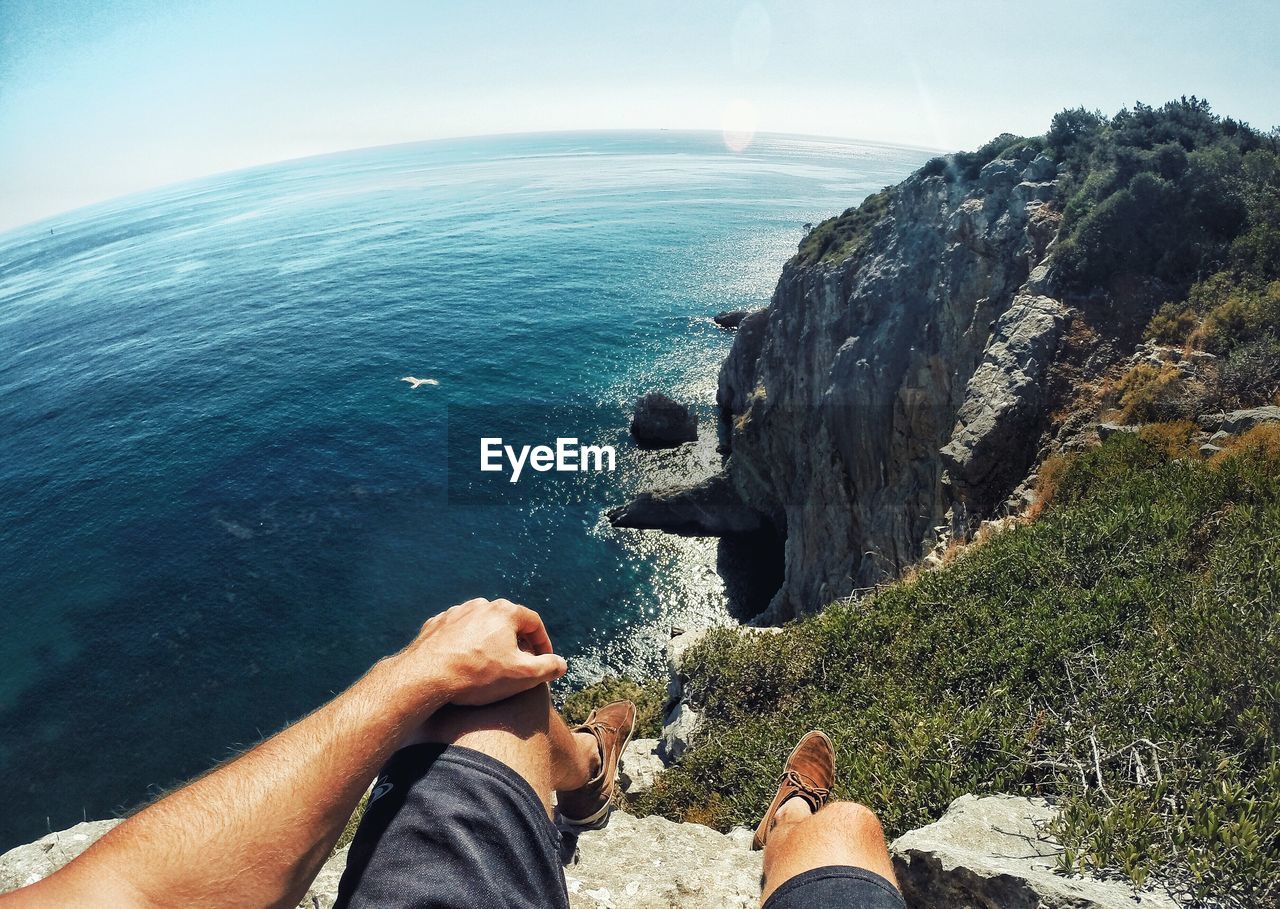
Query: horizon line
(850, 140)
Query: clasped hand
(482, 651)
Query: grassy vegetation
(1117, 655)
(836, 239)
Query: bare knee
(851, 819)
(842, 833)
(523, 716)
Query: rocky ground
(985, 853)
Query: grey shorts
(451, 828)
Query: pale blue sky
(101, 98)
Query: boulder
(1238, 421)
(1041, 169)
(639, 765)
(1107, 430)
(993, 851)
(730, 319)
(680, 721)
(710, 508)
(661, 422)
(678, 648)
(993, 444)
(999, 172)
(654, 863)
(680, 726)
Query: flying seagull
(416, 382)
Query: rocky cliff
(895, 383)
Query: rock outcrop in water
(709, 508)
(661, 422)
(896, 383)
(730, 319)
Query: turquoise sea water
(219, 504)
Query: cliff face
(881, 396)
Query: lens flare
(739, 124)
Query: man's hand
(484, 651)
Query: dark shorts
(448, 827)
(836, 887)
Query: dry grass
(1176, 439)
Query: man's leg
(462, 813)
(839, 834)
(817, 853)
(526, 734)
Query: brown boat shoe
(809, 774)
(587, 807)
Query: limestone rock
(994, 442)
(33, 862)
(993, 852)
(661, 422)
(730, 319)
(680, 726)
(1238, 421)
(654, 863)
(1107, 430)
(323, 891)
(838, 398)
(1000, 171)
(1041, 169)
(27, 864)
(710, 508)
(639, 765)
(679, 646)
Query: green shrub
(836, 239)
(1250, 373)
(935, 167)
(1117, 655)
(1173, 323)
(1160, 194)
(1245, 314)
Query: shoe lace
(807, 786)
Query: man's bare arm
(255, 832)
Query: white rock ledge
(984, 853)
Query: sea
(219, 500)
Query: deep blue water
(219, 504)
